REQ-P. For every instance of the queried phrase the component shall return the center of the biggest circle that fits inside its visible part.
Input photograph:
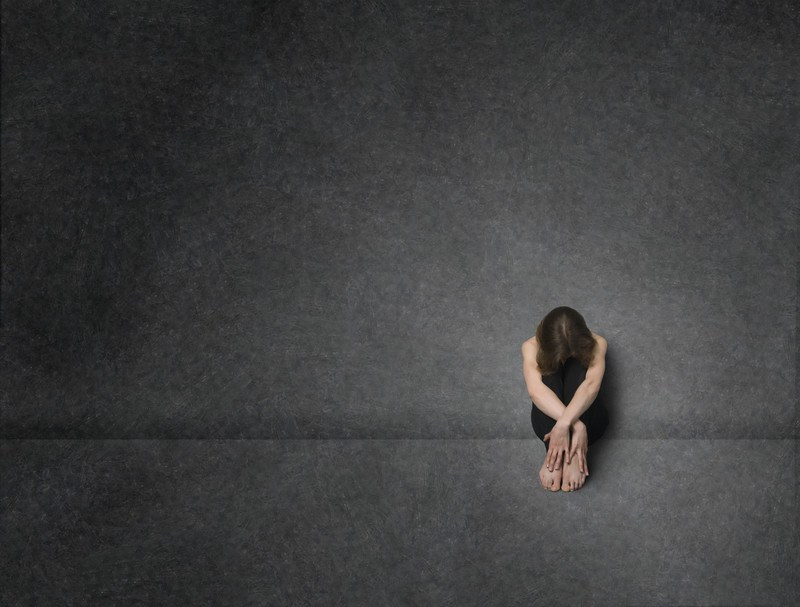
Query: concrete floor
(397, 522)
(266, 271)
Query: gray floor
(398, 522)
(266, 271)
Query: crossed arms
(548, 402)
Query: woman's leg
(596, 416)
(541, 422)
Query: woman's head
(561, 334)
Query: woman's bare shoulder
(530, 345)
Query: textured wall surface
(267, 267)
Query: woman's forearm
(548, 403)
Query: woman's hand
(579, 446)
(559, 446)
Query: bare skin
(566, 478)
(573, 478)
(568, 471)
(571, 462)
(550, 480)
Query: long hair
(562, 334)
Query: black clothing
(564, 383)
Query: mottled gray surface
(307, 220)
(397, 522)
(343, 221)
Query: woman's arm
(548, 402)
(541, 395)
(589, 388)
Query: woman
(563, 365)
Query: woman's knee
(574, 371)
(555, 382)
(597, 423)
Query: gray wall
(308, 220)
(311, 221)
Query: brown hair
(563, 333)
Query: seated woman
(564, 363)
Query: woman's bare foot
(573, 478)
(550, 480)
